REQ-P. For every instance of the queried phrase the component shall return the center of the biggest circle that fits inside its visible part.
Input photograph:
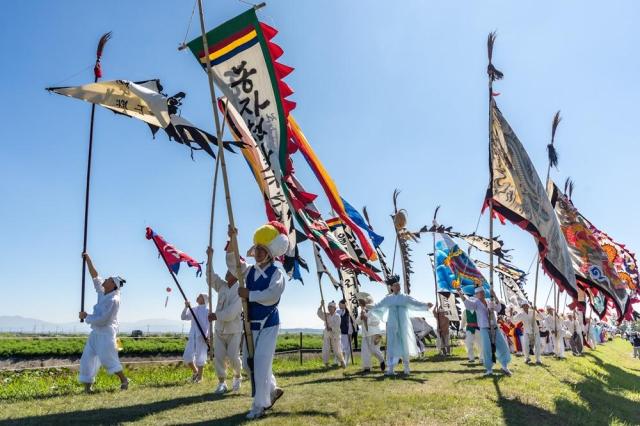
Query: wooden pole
(435, 285)
(492, 329)
(248, 334)
(300, 348)
(97, 74)
(211, 221)
(209, 265)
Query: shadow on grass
(113, 415)
(304, 372)
(600, 401)
(241, 418)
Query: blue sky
(389, 97)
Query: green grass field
(44, 346)
(602, 387)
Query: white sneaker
(488, 373)
(506, 371)
(236, 383)
(222, 388)
(255, 413)
(389, 373)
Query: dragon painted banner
(590, 262)
(454, 269)
(276, 203)
(623, 260)
(243, 62)
(517, 194)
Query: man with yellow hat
(265, 284)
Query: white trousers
(100, 349)
(331, 343)
(195, 351)
(473, 343)
(526, 342)
(264, 342)
(558, 345)
(370, 348)
(345, 343)
(227, 347)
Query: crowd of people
(493, 330)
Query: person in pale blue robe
(396, 310)
(486, 320)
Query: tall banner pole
(248, 334)
(209, 265)
(493, 74)
(553, 161)
(435, 279)
(97, 73)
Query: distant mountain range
(18, 324)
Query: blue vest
(257, 311)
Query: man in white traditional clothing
(331, 335)
(265, 283)
(101, 347)
(195, 351)
(574, 333)
(228, 327)
(422, 330)
(371, 333)
(346, 330)
(531, 331)
(485, 312)
(396, 308)
(556, 332)
(471, 335)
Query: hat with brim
(364, 296)
(119, 281)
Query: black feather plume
(396, 192)
(551, 150)
(493, 73)
(103, 40)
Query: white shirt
(228, 307)
(482, 311)
(552, 322)
(527, 321)
(333, 322)
(270, 295)
(572, 326)
(104, 317)
(373, 324)
(202, 313)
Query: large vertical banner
(243, 62)
(590, 262)
(517, 194)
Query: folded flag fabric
(171, 255)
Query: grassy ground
(602, 387)
(36, 347)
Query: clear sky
(390, 95)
